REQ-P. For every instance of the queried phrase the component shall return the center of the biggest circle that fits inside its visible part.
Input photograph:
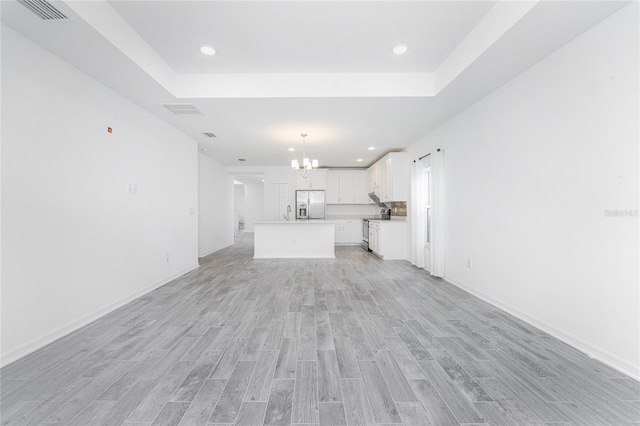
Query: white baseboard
(590, 350)
(208, 252)
(42, 341)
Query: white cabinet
(375, 178)
(332, 196)
(348, 232)
(316, 179)
(388, 177)
(388, 239)
(374, 237)
(386, 189)
(361, 195)
(347, 187)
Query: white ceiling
(320, 67)
(303, 37)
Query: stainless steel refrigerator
(309, 204)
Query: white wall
(530, 171)
(215, 213)
(75, 242)
(253, 205)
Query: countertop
(376, 217)
(347, 217)
(295, 222)
(333, 219)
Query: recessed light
(359, 160)
(291, 149)
(400, 49)
(207, 50)
(371, 148)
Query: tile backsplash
(398, 208)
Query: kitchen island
(294, 239)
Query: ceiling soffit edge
(106, 21)
(500, 18)
(304, 85)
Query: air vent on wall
(44, 9)
(182, 109)
(209, 135)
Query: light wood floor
(351, 341)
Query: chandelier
(307, 165)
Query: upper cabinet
(375, 178)
(332, 196)
(347, 187)
(360, 194)
(388, 177)
(316, 179)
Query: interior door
(279, 200)
(285, 203)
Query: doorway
(248, 190)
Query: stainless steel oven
(365, 234)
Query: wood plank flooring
(355, 341)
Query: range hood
(376, 200)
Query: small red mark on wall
(109, 129)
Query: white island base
(294, 239)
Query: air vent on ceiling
(182, 109)
(209, 134)
(44, 9)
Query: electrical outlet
(469, 264)
(167, 258)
